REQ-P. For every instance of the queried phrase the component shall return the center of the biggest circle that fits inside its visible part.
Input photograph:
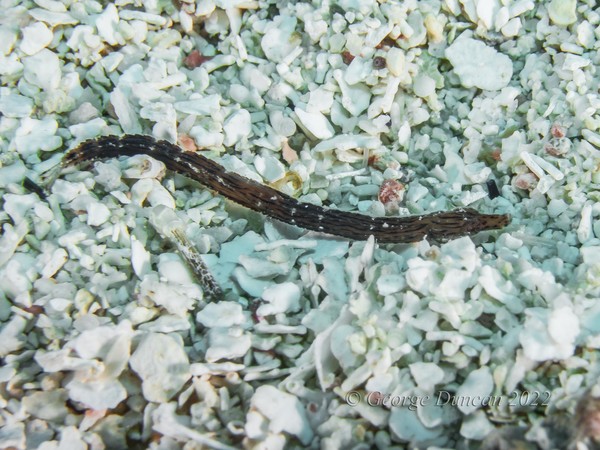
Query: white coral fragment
(478, 385)
(563, 12)
(284, 412)
(478, 65)
(315, 122)
(227, 343)
(35, 37)
(280, 40)
(280, 298)
(222, 314)
(43, 70)
(549, 335)
(162, 364)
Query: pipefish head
(476, 221)
(466, 221)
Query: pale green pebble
(239, 93)
(336, 43)
(414, 30)
(282, 125)
(596, 228)
(280, 40)
(556, 207)
(512, 27)
(58, 101)
(390, 284)
(87, 130)
(316, 123)
(354, 43)
(365, 190)
(43, 70)
(585, 34)
(366, 207)
(321, 99)
(251, 285)
(7, 40)
(162, 364)
(358, 343)
(424, 86)
(426, 375)
(236, 127)
(476, 426)
(35, 37)
(112, 61)
(562, 12)
(15, 105)
(269, 167)
(355, 98)
(407, 426)
(358, 70)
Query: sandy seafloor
(106, 339)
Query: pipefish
(441, 225)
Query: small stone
(316, 123)
(284, 412)
(426, 375)
(424, 86)
(269, 167)
(280, 298)
(379, 62)
(35, 37)
(107, 24)
(140, 258)
(47, 405)
(490, 70)
(98, 213)
(227, 343)
(406, 425)
(548, 335)
(15, 105)
(195, 59)
(562, 12)
(222, 314)
(395, 61)
(477, 426)
(478, 385)
(238, 126)
(512, 27)
(162, 364)
(356, 97)
(280, 40)
(43, 70)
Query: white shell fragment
(478, 65)
(35, 37)
(280, 298)
(227, 343)
(283, 411)
(162, 365)
(478, 385)
(237, 127)
(140, 258)
(315, 123)
(222, 314)
(279, 41)
(43, 70)
(15, 105)
(549, 335)
(562, 12)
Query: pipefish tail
(277, 205)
